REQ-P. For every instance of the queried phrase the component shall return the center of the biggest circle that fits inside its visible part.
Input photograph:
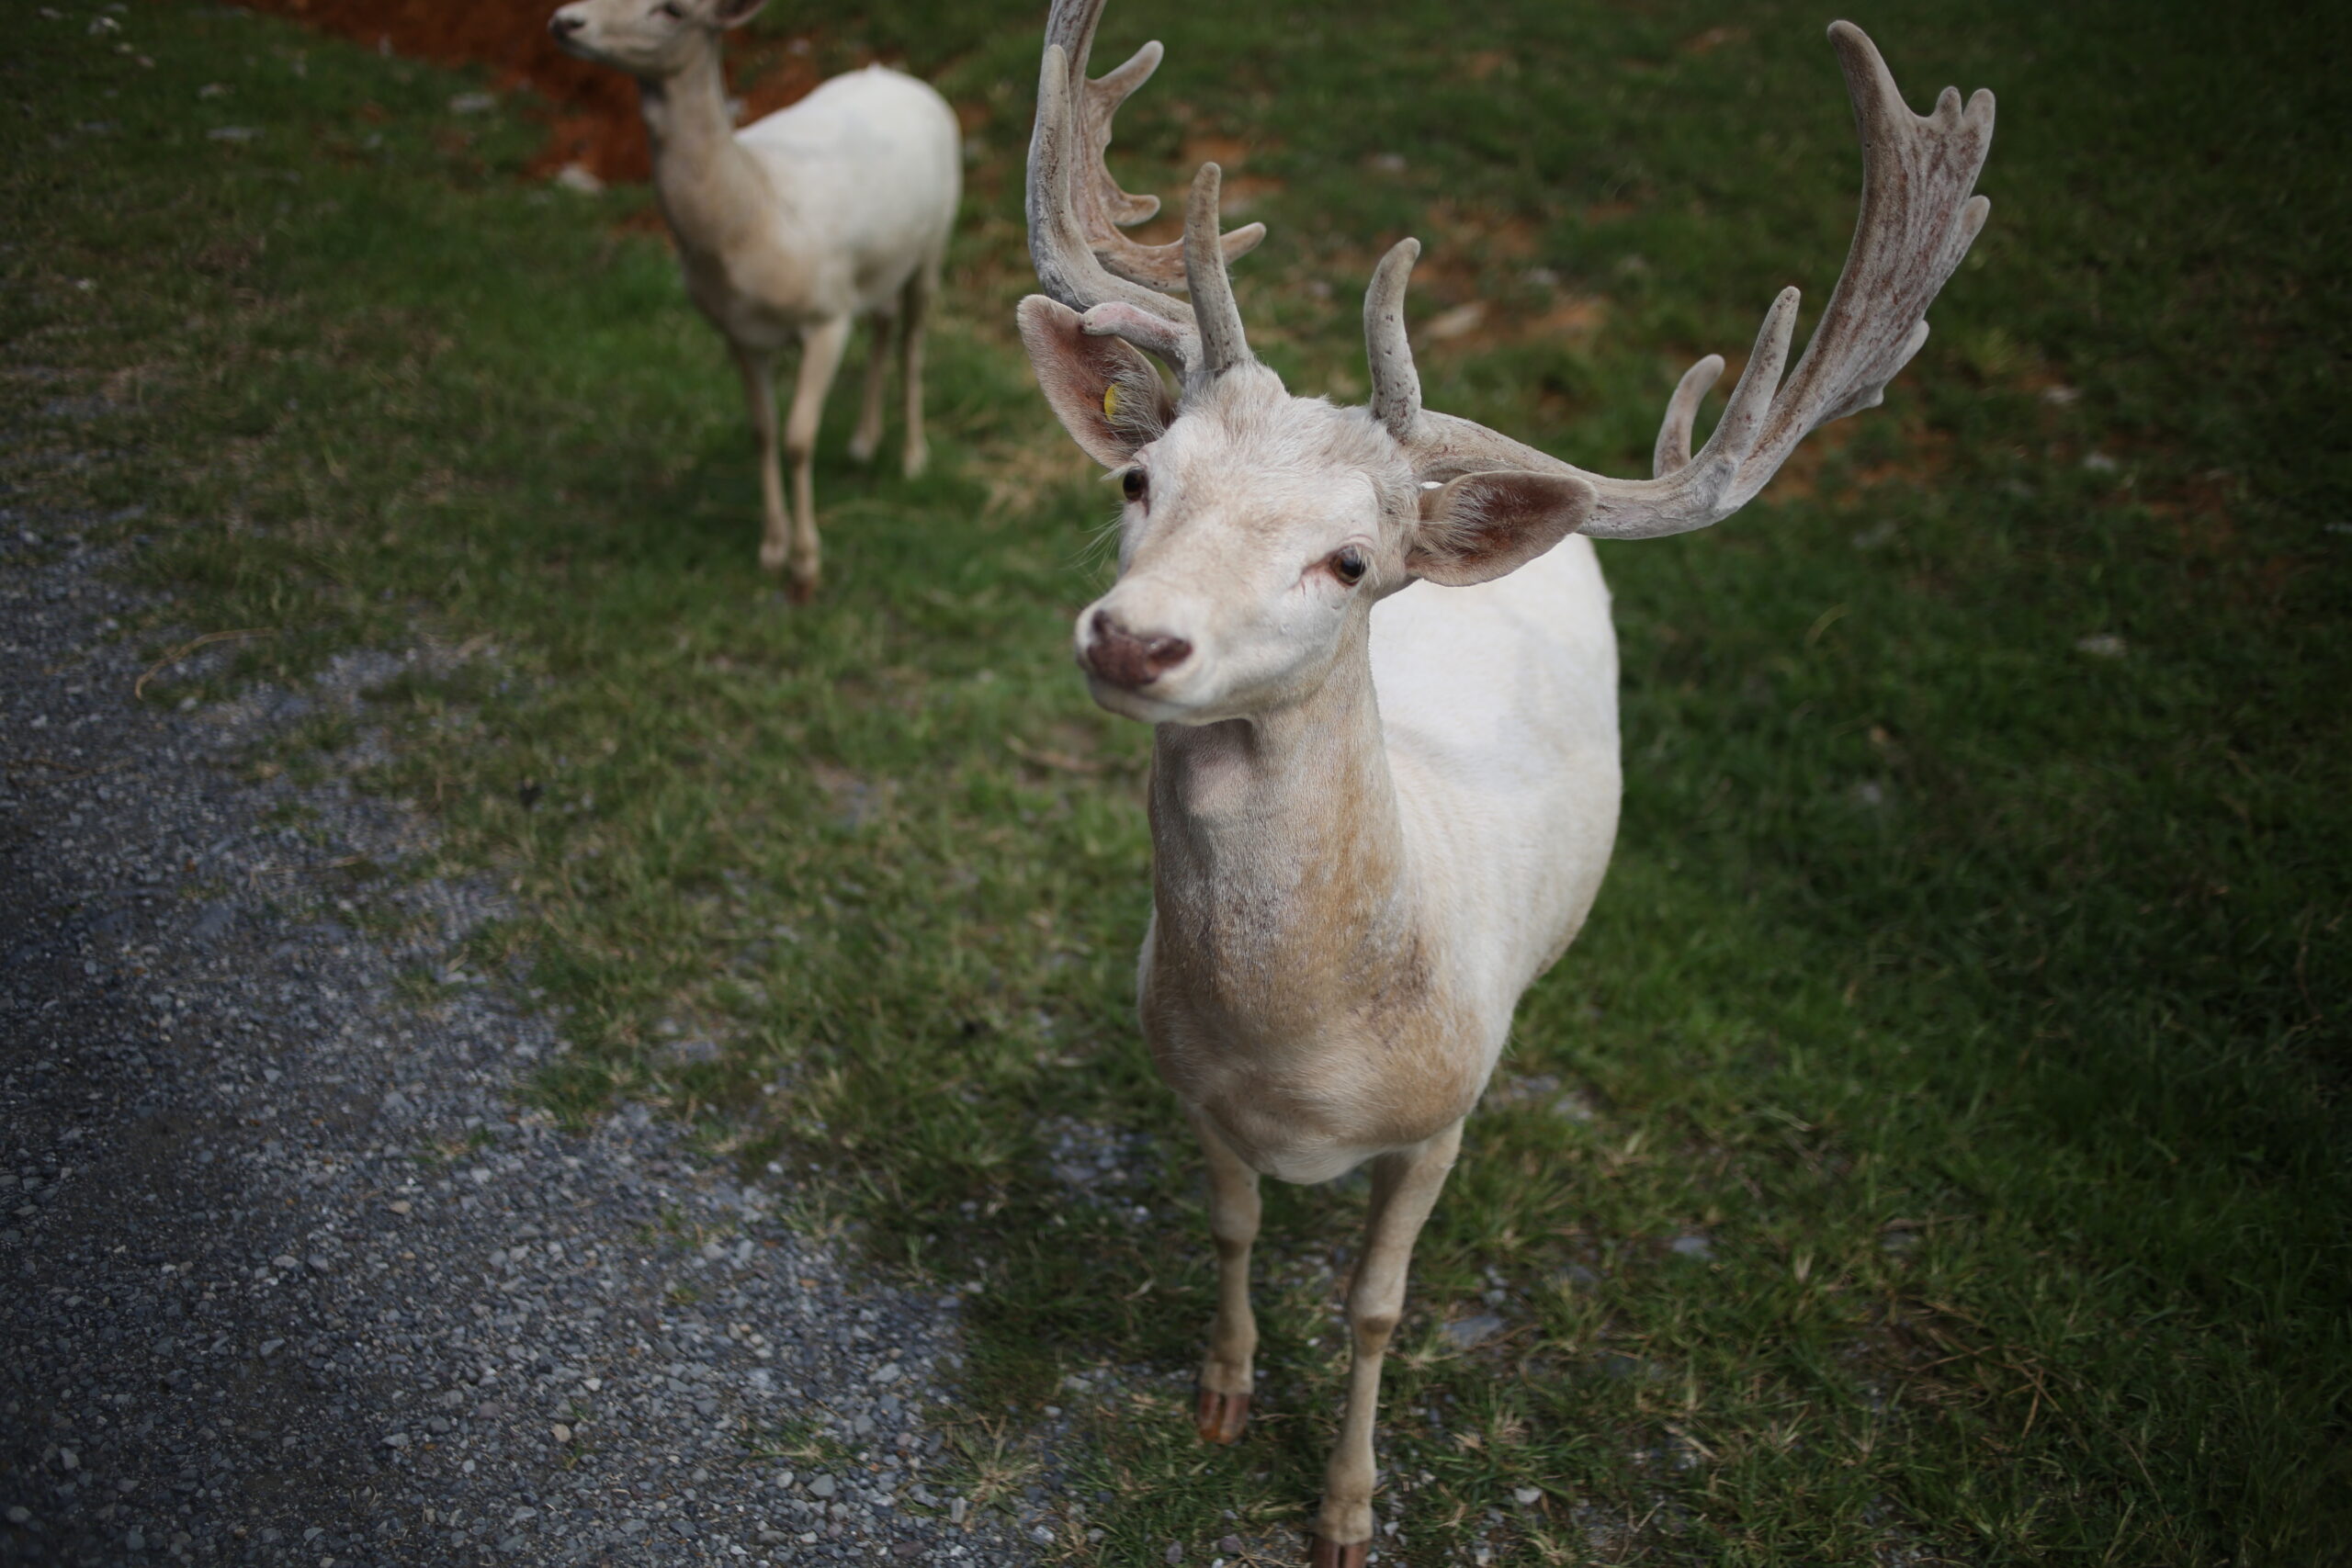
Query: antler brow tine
(1396, 385)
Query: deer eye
(670, 9)
(1349, 565)
(1131, 484)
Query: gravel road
(288, 1274)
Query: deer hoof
(1331, 1554)
(1219, 1417)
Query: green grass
(1984, 998)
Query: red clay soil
(592, 109)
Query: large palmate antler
(1076, 211)
(1917, 220)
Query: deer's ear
(1104, 392)
(734, 13)
(1482, 525)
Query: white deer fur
(1378, 659)
(1378, 814)
(834, 208)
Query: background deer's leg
(758, 369)
(914, 305)
(820, 356)
(866, 439)
(1404, 1186)
(1224, 1398)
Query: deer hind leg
(866, 439)
(758, 370)
(915, 305)
(1404, 1186)
(820, 357)
(1223, 1407)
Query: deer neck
(1281, 883)
(713, 192)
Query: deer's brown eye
(1351, 566)
(669, 8)
(1131, 483)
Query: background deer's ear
(1104, 392)
(734, 13)
(1482, 525)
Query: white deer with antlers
(1380, 811)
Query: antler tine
(1100, 104)
(1672, 452)
(1396, 385)
(1917, 223)
(1215, 314)
(1102, 207)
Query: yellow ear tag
(1111, 402)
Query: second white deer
(1376, 651)
(836, 209)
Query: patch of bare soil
(1819, 468)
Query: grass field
(1974, 978)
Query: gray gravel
(287, 1274)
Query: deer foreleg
(1404, 1186)
(820, 356)
(1223, 1405)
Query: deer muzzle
(1112, 653)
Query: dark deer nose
(1120, 657)
(563, 26)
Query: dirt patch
(1483, 232)
(1486, 62)
(1482, 327)
(1713, 38)
(1237, 189)
(591, 110)
(1807, 474)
